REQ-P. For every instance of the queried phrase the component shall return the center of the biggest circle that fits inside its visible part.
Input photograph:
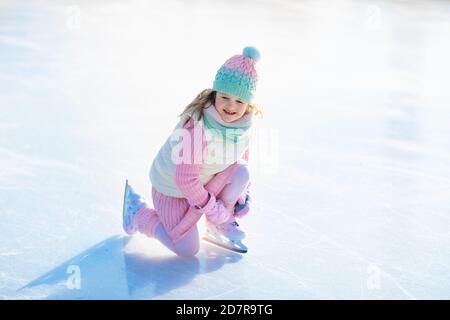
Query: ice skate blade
(124, 212)
(230, 245)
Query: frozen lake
(350, 175)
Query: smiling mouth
(229, 113)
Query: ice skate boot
(132, 202)
(228, 235)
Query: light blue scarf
(234, 131)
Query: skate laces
(231, 227)
(234, 224)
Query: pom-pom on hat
(238, 76)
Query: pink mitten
(215, 211)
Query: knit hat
(237, 76)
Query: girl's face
(229, 107)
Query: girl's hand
(219, 214)
(215, 210)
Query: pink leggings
(173, 221)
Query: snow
(350, 168)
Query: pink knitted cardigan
(187, 175)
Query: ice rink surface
(350, 168)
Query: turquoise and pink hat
(238, 76)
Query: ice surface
(350, 179)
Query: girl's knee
(188, 251)
(189, 245)
(242, 173)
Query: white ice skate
(228, 235)
(132, 202)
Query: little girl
(211, 176)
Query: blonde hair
(209, 96)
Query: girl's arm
(187, 175)
(187, 179)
